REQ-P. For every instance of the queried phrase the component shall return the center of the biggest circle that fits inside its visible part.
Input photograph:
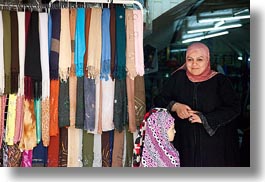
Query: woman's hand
(194, 118)
(182, 110)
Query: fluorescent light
(218, 24)
(224, 18)
(245, 10)
(215, 28)
(240, 58)
(205, 37)
(178, 50)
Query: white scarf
(44, 54)
(108, 88)
(22, 49)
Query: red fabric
(53, 151)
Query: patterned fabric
(152, 148)
(27, 156)
(14, 156)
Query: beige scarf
(65, 46)
(130, 44)
(94, 44)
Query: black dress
(215, 141)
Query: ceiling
(171, 28)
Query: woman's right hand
(181, 110)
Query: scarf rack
(128, 2)
(44, 7)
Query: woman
(153, 146)
(205, 107)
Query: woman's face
(196, 62)
(171, 133)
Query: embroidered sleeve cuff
(170, 105)
(206, 125)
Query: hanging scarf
(2, 117)
(7, 49)
(14, 156)
(111, 142)
(63, 149)
(120, 113)
(97, 161)
(40, 154)
(118, 148)
(53, 151)
(20, 95)
(2, 70)
(37, 110)
(99, 106)
(113, 40)
(14, 51)
(19, 118)
(55, 43)
(105, 149)
(65, 46)
(44, 53)
(130, 44)
(74, 158)
(32, 57)
(80, 46)
(107, 104)
(94, 44)
(152, 147)
(11, 119)
(72, 79)
(27, 156)
(79, 123)
(120, 63)
(128, 148)
(88, 18)
(106, 49)
(63, 109)
(29, 139)
(139, 99)
(138, 33)
(54, 123)
(87, 149)
(131, 104)
(90, 103)
(204, 51)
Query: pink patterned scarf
(152, 147)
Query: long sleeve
(228, 110)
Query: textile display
(69, 94)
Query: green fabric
(120, 71)
(64, 104)
(7, 49)
(129, 148)
(37, 109)
(88, 146)
(80, 108)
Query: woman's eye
(199, 59)
(189, 59)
